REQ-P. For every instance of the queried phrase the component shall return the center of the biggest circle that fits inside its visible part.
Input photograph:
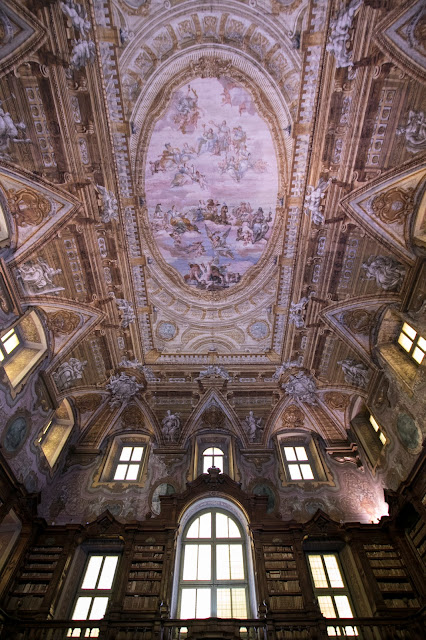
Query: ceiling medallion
(259, 330)
(207, 148)
(167, 330)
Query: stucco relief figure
(289, 364)
(297, 311)
(301, 386)
(355, 373)
(10, 131)
(83, 52)
(128, 315)
(339, 37)
(67, 372)
(313, 201)
(109, 204)
(171, 426)
(122, 389)
(386, 271)
(78, 16)
(212, 371)
(252, 427)
(37, 277)
(414, 131)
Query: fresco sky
(211, 183)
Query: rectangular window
(331, 591)
(94, 592)
(8, 344)
(298, 466)
(129, 463)
(412, 343)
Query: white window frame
(299, 461)
(231, 510)
(104, 476)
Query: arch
(235, 512)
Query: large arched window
(214, 567)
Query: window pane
(190, 562)
(98, 608)
(318, 573)
(294, 472)
(222, 562)
(343, 606)
(137, 454)
(224, 608)
(204, 562)
(217, 452)
(11, 343)
(237, 566)
(221, 526)
(207, 463)
(132, 472)
(203, 609)
(206, 525)
(193, 531)
(208, 452)
(239, 606)
(290, 454)
(301, 453)
(1, 355)
(306, 472)
(120, 472)
(6, 335)
(81, 608)
(234, 532)
(187, 605)
(326, 606)
(92, 572)
(382, 438)
(374, 423)
(126, 453)
(405, 342)
(418, 355)
(421, 342)
(333, 571)
(409, 330)
(108, 571)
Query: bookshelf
(391, 576)
(144, 581)
(282, 579)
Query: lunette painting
(211, 183)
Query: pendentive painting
(211, 183)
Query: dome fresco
(211, 183)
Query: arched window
(212, 457)
(215, 569)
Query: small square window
(129, 463)
(413, 343)
(297, 463)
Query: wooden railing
(292, 627)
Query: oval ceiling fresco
(211, 183)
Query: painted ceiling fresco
(211, 183)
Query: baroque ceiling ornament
(393, 206)
(122, 388)
(301, 386)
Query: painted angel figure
(219, 242)
(77, 14)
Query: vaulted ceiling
(212, 206)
